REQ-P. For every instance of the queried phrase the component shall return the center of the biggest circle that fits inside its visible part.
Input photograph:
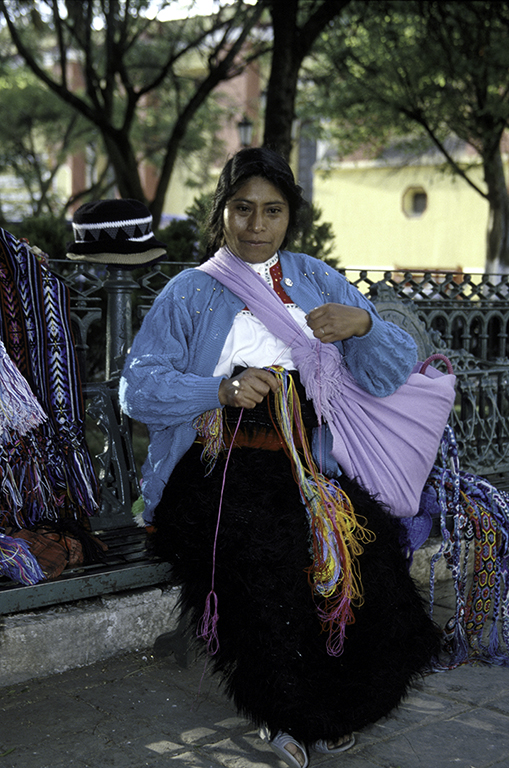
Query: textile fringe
(337, 535)
(17, 561)
(479, 629)
(210, 427)
(19, 408)
(46, 469)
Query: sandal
(278, 744)
(323, 747)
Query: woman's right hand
(248, 388)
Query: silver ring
(236, 383)
(236, 392)
(323, 332)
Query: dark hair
(247, 164)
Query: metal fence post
(120, 288)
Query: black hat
(114, 232)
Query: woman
(227, 490)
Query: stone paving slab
(135, 710)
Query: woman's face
(255, 220)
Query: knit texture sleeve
(157, 386)
(382, 360)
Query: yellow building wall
(179, 196)
(365, 208)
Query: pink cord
(207, 629)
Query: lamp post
(245, 129)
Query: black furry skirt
(272, 651)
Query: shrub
(48, 233)
(315, 238)
(181, 239)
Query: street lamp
(245, 129)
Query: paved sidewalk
(136, 710)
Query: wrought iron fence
(465, 316)
(469, 313)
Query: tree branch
(215, 76)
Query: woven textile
(479, 629)
(47, 473)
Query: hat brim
(127, 259)
(108, 245)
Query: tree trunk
(125, 167)
(291, 44)
(217, 74)
(497, 256)
(282, 86)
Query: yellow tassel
(210, 426)
(338, 535)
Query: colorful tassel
(210, 427)
(337, 536)
(17, 562)
(207, 629)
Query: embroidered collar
(272, 273)
(263, 269)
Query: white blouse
(250, 343)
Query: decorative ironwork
(468, 312)
(117, 468)
(464, 316)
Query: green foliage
(406, 67)
(316, 238)
(37, 138)
(180, 237)
(198, 213)
(187, 238)
(434, 70)
(145, 82)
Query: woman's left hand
(336, 322)
(248, 388)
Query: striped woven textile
(46, 473)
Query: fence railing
(465, 316)
(468, 312)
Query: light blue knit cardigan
(167, 379)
